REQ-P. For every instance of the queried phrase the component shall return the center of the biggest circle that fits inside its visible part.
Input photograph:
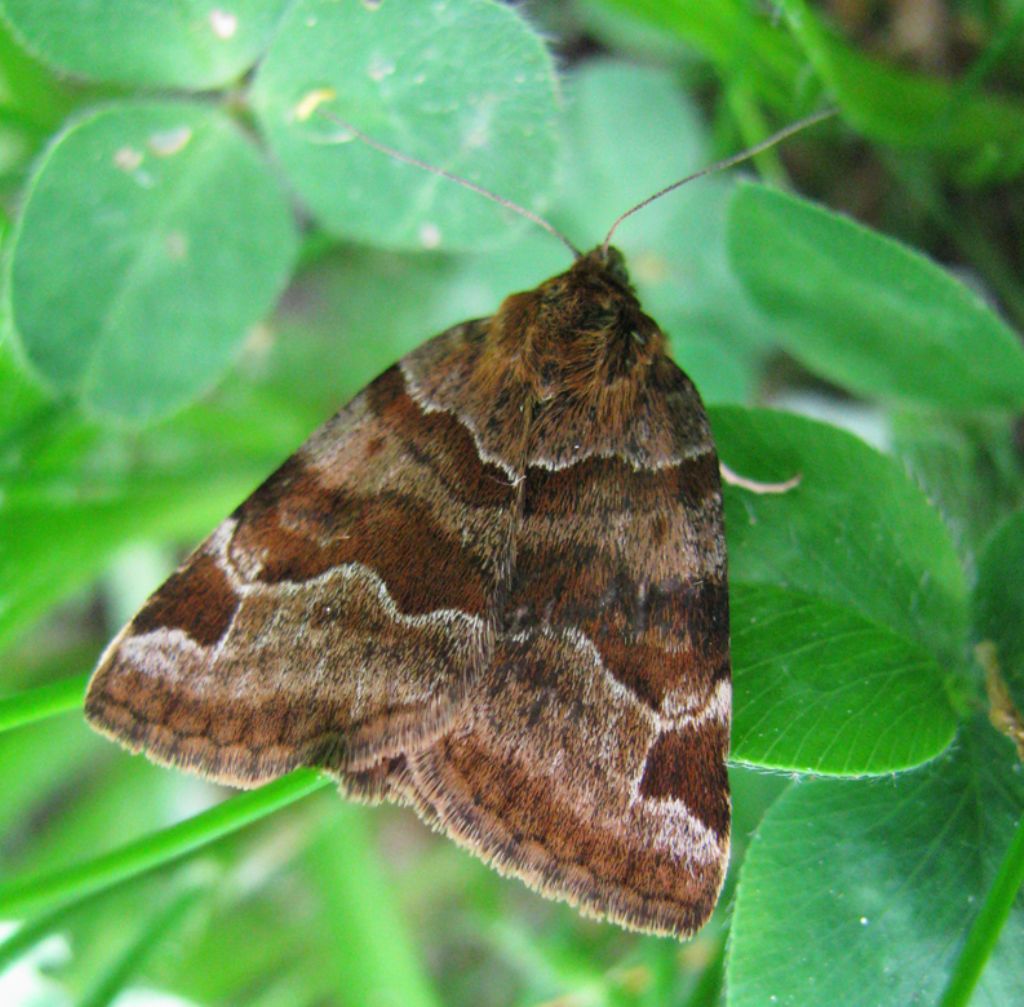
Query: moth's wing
(591, 761)
(335, 618)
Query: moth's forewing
(332, 620)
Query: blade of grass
(733, 36)
(28, 935)
(160, 924)
(743, 105)
(708, 990)
(35, 892)
(999, 47)
(906, 109)
(30, 705)
(373, 954)
(988, 924)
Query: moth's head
(598, 277)
(595, 292)
(607, 260)
(580, 331)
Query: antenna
(308, 105)
(744, 155)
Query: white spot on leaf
(259, 341)
(170, 141)
(430, 235)
(176, 244)
(380, 67)
(649, 267)
(223, 23)
(477, 137)
(128, 158)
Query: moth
(492, 587)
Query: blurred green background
(198, 271)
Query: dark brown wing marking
(335, 618)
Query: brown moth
(492, 587)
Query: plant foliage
(201, 262)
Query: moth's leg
(735, 479)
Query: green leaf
(21, 398)
(855, 531)
(194, 44)
(182, 240)
(999, 602)
(820, 689)
(78, 493)
(911, 110)
(464, 85)
(614, 105)
(31, 100)
(967, 467)
(619, 29)
(861, 893)
(869, 313)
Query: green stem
(708, 990)
(28, 935)
(41, 702)
(161, 923)
(998, 48)
(988, 924)
(28, 894)
(373, 955)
